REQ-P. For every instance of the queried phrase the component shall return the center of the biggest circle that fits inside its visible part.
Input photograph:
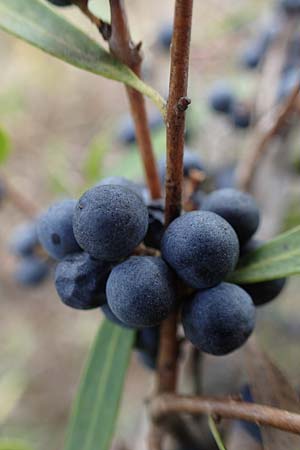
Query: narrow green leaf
(5, 146)
(277, 258)
(8, 444)
(96, 407)
(93, 164)
(36, 23)
(216, 435)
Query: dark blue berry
(288, 81)
(155, 231)
(24, 239)
(240, 115)
(126, 128)
(250, 427)
(165, 36)
(254, 54)
(140, 291)
(55, 229)
(109, 315)
(225, 177)
(221, 97)
(110, 221)
(147, 345)
(219, 320)
(81, 281)
(264, 291)
(60, 2)
(290, 7)
(191, 161)
(201, 247)
(237, 208)
(31, 271)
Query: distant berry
(264, 291)
(110, 221)
(254, 54)
(191, 161)
(126, 128)
(31, 271)
(60, 2)
(225, 177)
(165, 36)
(201, 247)
(221, 97)
(240, 115)
(24, 239)
(290, 6)
(140, 291)
(250, 427)
(81, 281)
(121, 181)
(219, 320)
(287, 83)
(55, 229)
(238, 208)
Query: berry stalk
(123, 48)
(175, 122)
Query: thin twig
(125, 50)
(168, 404)
(267, 128)
(103, 27)
(175, 122)
(19, 200)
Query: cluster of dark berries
(96, 241)
(32, 267)
(223, 100)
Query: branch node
(182, 104)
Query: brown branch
(266, 129)
(177, 104)
(17, 198)
(103, 27)
(165, 405)
(123, 48)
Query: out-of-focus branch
(168, 404)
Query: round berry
(264, 291)
(201, 247)
(238, 208)
(191, 161)
(109, 315)
(221, 97)
(155, 230)
(24, 239)
(81, 281)
(55, 229)
(60, 2)
(31, 271)
(240, 115)
(219, 320)
(140, 291)
(165, 36)
(147, 345)
(110, 221)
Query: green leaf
(96, 407)
(36, 23)
(216, 435)
(93, 165)
(8, 444)
(5, 146)
(277, 258)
